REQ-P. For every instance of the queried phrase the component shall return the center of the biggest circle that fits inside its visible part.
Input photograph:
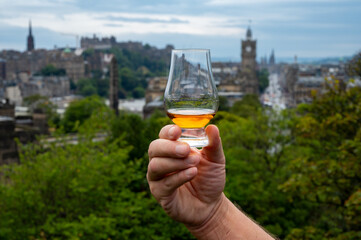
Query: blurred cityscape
(65, 74)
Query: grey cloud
(113, 25)
(144, 20)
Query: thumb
(214, 150)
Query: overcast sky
(306, 28)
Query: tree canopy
(295, 172)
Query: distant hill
(315, 61)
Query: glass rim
(191, 49)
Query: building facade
(242, 78)
(249, 65)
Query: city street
(273, 96)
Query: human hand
(187, 182)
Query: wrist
(211, 223)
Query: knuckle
(168, 183)
(151, 149)
(153, 166)
(153, 189)
(163, 130)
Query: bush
(91, 190)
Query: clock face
(248, 49)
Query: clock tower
(248, 64)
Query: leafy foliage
(78, 111)
(262, 76)
(91, 190)
(91, 86)
(354, 66)
(326, 173)
(294, 172)
(51, 70)
(134, 68)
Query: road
(273, 96)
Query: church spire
(30, 42)
(272, 59)
(249, 32)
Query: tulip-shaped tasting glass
(191, 98)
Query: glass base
(195, 137)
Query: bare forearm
(229, 223)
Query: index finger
(167, 148)
(170, 132)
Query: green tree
(249, 105)
(223, 104)
(138, 92)
(262, 76)
(51, 70)
(257, 148)
(354, 66)
(128, 80)
(83, 191)
(137, 132)
(88, 90)
(326, 171)
(91, 86)
(80, 110)
(89, 190)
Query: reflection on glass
(191, 98)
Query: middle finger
(160, 167)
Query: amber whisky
(191, 118)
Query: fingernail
(181, 149)
(171, 132)
(190, 172)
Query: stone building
(156, 88)
(233, 80)
(97, 43)
(242, 79)
(6, 108)
(68, 60)
(22, 127)
(32, 62)
(2, 70)
(226, 76)
(154, 95)
(289, 78)
(306, 88)
(13, 93)
(301, 83)
(250, 83)
(50, 86)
